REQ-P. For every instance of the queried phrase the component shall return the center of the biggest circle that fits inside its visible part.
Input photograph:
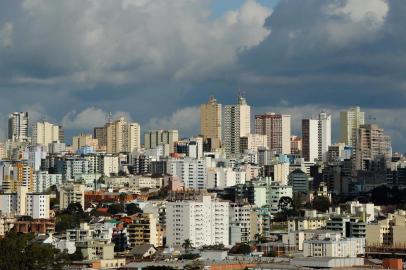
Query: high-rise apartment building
(253, 142)
(295, 145)
(210, 122)
(122, 136)
(153, 138)
(370, 142)
(45, 133)
(350, 121)
(99, 133)
(83, 140)
(324, 135)
(310, 139)
(277, 127)
(316, 137)
(237, 124)
(18, 127)
(204, 222)
(23, 203)
(16, 175)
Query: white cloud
(89, 118)
(122, 41)
(186, 120)
(358, 21)
(36, 113)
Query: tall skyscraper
(277, 129)
(45, 133)
(310, 139)
(350, 121)
(324, 135)
(122, 136)
(316, 137)
(18, 127)
(210, 122)
(99, 133)
(370, 143)
(237, 124)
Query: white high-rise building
(237, 124)
(203, 222)
(350, 121)
(324, 135)
(18, 127)
(277, 128)
(45, 133)
(192, 172)
(316, 137)
(22, 203)
(221, 177)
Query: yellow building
(144, 230)
(122, 136)
(388, 232)
(17, 175)
(210, 122)
(84, 140)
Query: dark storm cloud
(157, 60)
(319, 55)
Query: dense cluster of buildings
(230, 185)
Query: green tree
(195, 265)
(21, 252)
(159, 267)
(132, 209)
(187, 245)
(243, 248)
(285, 204)
(321, 203)
(70, 217)
(116, 208)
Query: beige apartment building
(210, 122)
(389, 232)
(277, 128)
(370, 142)
(144, 230)
(84, 140)
(45, 133)
(119, 136)
(350, 120)
(237, 124)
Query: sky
(154, 61)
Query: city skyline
(222, 48)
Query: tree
(160, 267)
(132, 209)
(242, 248)
(285, 204)
(116, 208)
(321, 203)
(75, 209)
(66, 221)
(195, 265)
(21, 252)
(70, 217)
(187, 245)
